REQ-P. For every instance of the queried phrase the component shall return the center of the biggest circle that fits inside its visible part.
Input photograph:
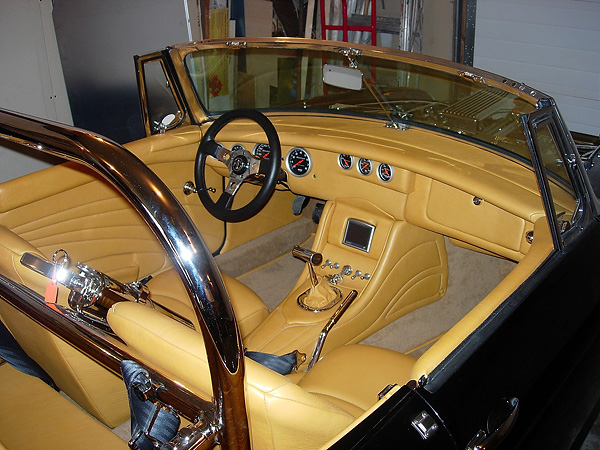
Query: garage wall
(551, 45)
(31, 76)
(97, 41)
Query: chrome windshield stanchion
(181, 241)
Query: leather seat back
(86, 382)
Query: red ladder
(345, 27)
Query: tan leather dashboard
(440, 183)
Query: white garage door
(551, 45)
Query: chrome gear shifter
(321, 296)
(311, 259)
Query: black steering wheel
(241, 165)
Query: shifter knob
(311, 259)
(306, 255)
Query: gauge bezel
(379, 173)
(359, 165)
(339, 160)
(308, 159)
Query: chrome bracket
(473, 77)
(349, 53)
(425, 425)
(397, 125)
(201, 434)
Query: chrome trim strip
(182, 242)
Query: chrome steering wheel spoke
(216, 150)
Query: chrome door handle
(499, 423)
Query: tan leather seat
(282, 414)
(33, 415)
(89, 384)
(167, 290)
(352, 376)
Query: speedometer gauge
(298, 161)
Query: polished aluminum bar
(181, 240)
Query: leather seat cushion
(33, 415)
(351, 376)
(167, 290)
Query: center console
(393, 266)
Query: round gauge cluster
(345, 161)
(262, 151)
(298, 161)
(385, 172)
(365, 166)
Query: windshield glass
(292, 79)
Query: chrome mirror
(167, 122)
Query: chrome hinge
(350, 53)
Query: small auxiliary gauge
(364, 166)
(298, 161)
(345, 161)
(237, 147)
(385, 172)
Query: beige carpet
(471, 276)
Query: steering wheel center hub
(239, 164)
